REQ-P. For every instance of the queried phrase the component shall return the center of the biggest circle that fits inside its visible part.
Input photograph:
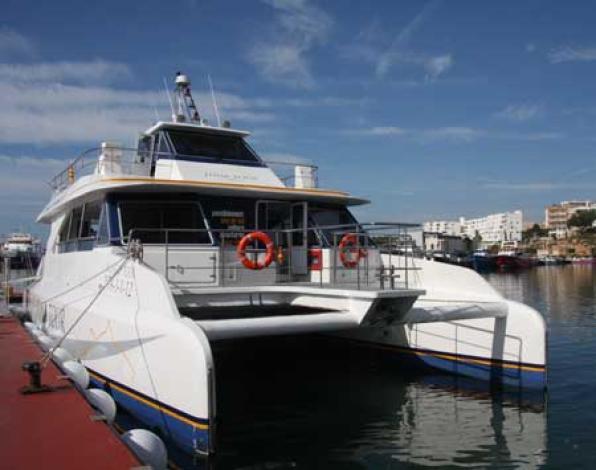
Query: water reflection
(564, 294)
(309, 404)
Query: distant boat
(23, 250)
(552, 260)
(510, 258)
(585, 260)
(482, 260)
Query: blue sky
(432, 109)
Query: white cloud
(284, 64)
(572, 54)
(386, 130)
(520, 112)
(14, 44)
(455, 134)
(22, 183)
(285, 158)
(306, 22)
(530, 47)
(47, 111)
(536, 186)
(399, 50)
(436, 66)
(65, 102)
(96, 71)
(283, 59)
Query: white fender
(61, 355)
(102, 400)
(77, 373)
(148, 447)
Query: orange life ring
(347, 246)
(254, 263)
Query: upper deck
(186, 157)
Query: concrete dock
(54, 429)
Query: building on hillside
(556, 216)
(445, 227)
(493, 229)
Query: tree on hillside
(534, 232)
(582, 218)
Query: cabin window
(63, 233)
(163, 222)
(75, 223)
(89, 225)
(103, 230)
(144, 147)
(222, 149)
(79, 228)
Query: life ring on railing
(254, 263)
(349, 254)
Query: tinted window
(75, 223)
(149, 221)
(103, 233)
(216, 147)
(63, 235)
(90, 224)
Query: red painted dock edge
(49, 430)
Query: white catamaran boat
(156, 253)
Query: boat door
(286, 223)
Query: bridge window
(218, 148)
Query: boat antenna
(215, 109)
(165, 85)
(184, 101)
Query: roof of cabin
(90, 187)
(194, 127)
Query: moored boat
(483, 260)
(191, 240)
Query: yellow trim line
(149, 403)
(454, 357)
(317, 192)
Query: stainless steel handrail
(367, 272)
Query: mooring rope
(70, 289)
(46, 357)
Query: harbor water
(312, 404)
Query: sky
(431, 109)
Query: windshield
(220, 148)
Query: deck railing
(342, 256)
(121, 161)
(106, 160)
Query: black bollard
(35, 385)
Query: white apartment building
(444, 227)
(494, 228)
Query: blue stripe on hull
(183, 434)
(507, 376)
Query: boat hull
(185, 431)
(484, 263)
